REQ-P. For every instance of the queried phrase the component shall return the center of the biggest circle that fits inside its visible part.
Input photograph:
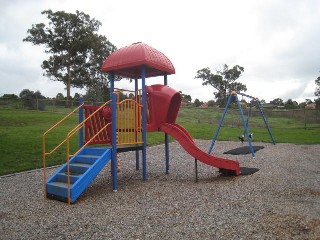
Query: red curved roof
(127, 62)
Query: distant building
(310, 106)
(269, 105)
(204, 105)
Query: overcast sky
(276, 41)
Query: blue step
(83, 168)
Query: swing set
(253, 102)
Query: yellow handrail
(66, 140)
(131, 110)
(44, 153)
(63, 119)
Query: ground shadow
(248, 171)
(243, 150)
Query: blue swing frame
(245, 123)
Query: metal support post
(113, 135)
(136, 98)
(245, 126)
(144, 124)
(196, 168)
(220, 124)
(166, 138)
(81, 141)
(265, 122)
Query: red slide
(183, 137)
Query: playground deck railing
(129, 122)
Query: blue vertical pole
(220, 124)
(166, 138)
(113, 135)
(245, 126)
(144, 124)
(136, 87)
(249, 115)
(80, 121)
(265, 122)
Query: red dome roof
(127, 62)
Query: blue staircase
(84, 167)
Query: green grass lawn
(21, 139)
(21, 134)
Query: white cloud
(275, 41)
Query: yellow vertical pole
(68, 170)
(44, 165)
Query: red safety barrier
(94, 124)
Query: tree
(308, 101)
(262, 102)
(30, 100)
(60, 100)
(211, 103)
(317, 92)
(9, 97)
(224, 81)
(76, 97)
(187, 98)
(290, 104)
(317, 102)
(76, 49)
(302, 105)
(59, 96)
(98, 92)
(277, 102)
(197, 102)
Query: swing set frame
(245, 123)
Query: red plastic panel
(95, 123)
(127, 62)
(163, 106)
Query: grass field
(21, 134)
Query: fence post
(232, 118)
(305, 119)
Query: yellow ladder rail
(67, 141)
(44, 153)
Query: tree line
(33, 100)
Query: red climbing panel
(94, 124)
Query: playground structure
(253, 102)
(119, 126)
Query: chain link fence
(294, 118)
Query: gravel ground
(280, 201)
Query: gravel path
(280, 201)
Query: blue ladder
(84, 167)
